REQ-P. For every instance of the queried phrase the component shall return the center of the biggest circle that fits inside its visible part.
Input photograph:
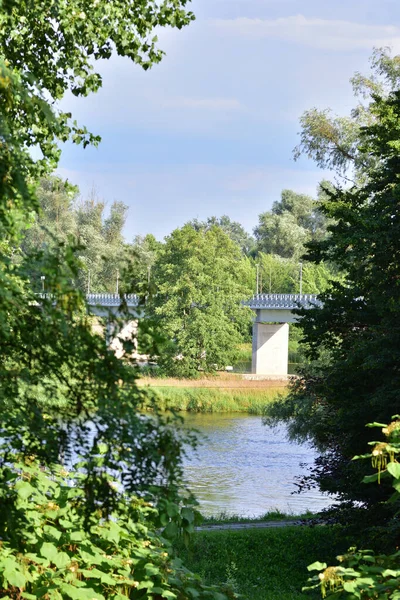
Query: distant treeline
(109, 262)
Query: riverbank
(263, 564)
(218, 394)
(272, 516)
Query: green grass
(263, 564)
(250, 401)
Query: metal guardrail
(111, 299)
(282, 301)
(258, 301)
(107, 300)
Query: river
(245, 468)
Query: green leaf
(24, 489)
(172, 509)
(61, 560)
(12, 573)
(168, 594)
(49, 551)
(188, 514)
(394, 469)
(371, 478)
(171, 530)
(316, 566)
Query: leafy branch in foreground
(63, 554)
(362, 573)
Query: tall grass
(214, 400)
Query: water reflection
(243, 467)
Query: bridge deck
(257, 302)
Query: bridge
(273, 313)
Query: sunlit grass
(263, 564)
(209, 400)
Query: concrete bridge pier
(274, 312)
(270, 348)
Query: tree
(62, 217)
(57, 219)
(354, 338)
(63, 394)
(292, 222)
(235, 230)
(201, 279)
(280, 235)
(279, 275)
(51, 363)
(142, 254)
(332, 141)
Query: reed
(214, 400)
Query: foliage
(354, 338)
(63, 394)
(270, 563)
(362, 573)
(234, 229)
(142, 255)
(102, 251)
(279, 275)
(291, 223)
(333, 142)
(201, 280)
(53, 550)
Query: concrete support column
(270, 349)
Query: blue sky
(210, 131)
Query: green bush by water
(209, 400)
(262, 564)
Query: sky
(211, 130)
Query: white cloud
(313, 32)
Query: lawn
(263, 564)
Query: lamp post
(117, 280)
(43, 277)
(88, 282)
(301, 277)
(257, 266)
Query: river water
(245, 468)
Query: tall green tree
(63, 216)
(333, 141)
(235, 230)
(142, 255)
(354, 338)
(51, 362)
(290, 224)
(63, 394)
(201, 279)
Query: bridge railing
(111, 299)
(258, 301)
(282, 301)
(103, 299)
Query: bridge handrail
(103, 299)
(258, 301)
(282, 301)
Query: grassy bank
(272, 515)
(207, 400)
(263, 564)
